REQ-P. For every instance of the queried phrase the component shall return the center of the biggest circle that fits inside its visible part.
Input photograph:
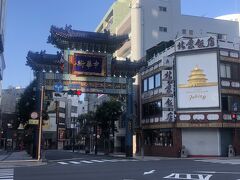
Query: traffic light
(74, 92)
(58, 95)
(70, 92)
(234, 116)
(78, 92)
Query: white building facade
(149, 22)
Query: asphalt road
(89, 167)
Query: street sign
(33, 121)
(235, 107)
(58, 87)
(74, 86)
(34, 115)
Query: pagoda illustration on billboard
(197, 78)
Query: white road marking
(74, 162)
(88, 162)
(6, 174)
(221, 161)
(110, 160)
(149, 172)
(97, 161)
(62, 163)
(215, 172)
(189, 176)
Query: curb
(19, 161)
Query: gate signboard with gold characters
(89, 73)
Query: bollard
(231, 152)
(184, 153)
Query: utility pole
(40, 125)
(96, 138)
(57, 121)
(73, 134)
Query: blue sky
(28, 23)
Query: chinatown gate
(86, 63)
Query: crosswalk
(221, 161)
(6, 174)
(95, 161)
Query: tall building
(2, 32)
(10, 98)
(149, 22)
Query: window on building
(230, 103)
(191, 32)
(151, 82)
(157, 80)
(121, 122)
(162, 8)
(163, 29)
(145, 85)
(145, 110)
(184, 31)
(222, 36)
(225, 103)
(225, 70)
(158, 109)
(152, 109)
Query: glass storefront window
(162, 137)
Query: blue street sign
(58, 87)
(235, 107)
(74, 86)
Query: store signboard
(197, 81)
(186, 44)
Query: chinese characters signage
(195, 43)
(86, 64)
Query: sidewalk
(153, 158)
(17, 159)
(99, 153)
(15, 156)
